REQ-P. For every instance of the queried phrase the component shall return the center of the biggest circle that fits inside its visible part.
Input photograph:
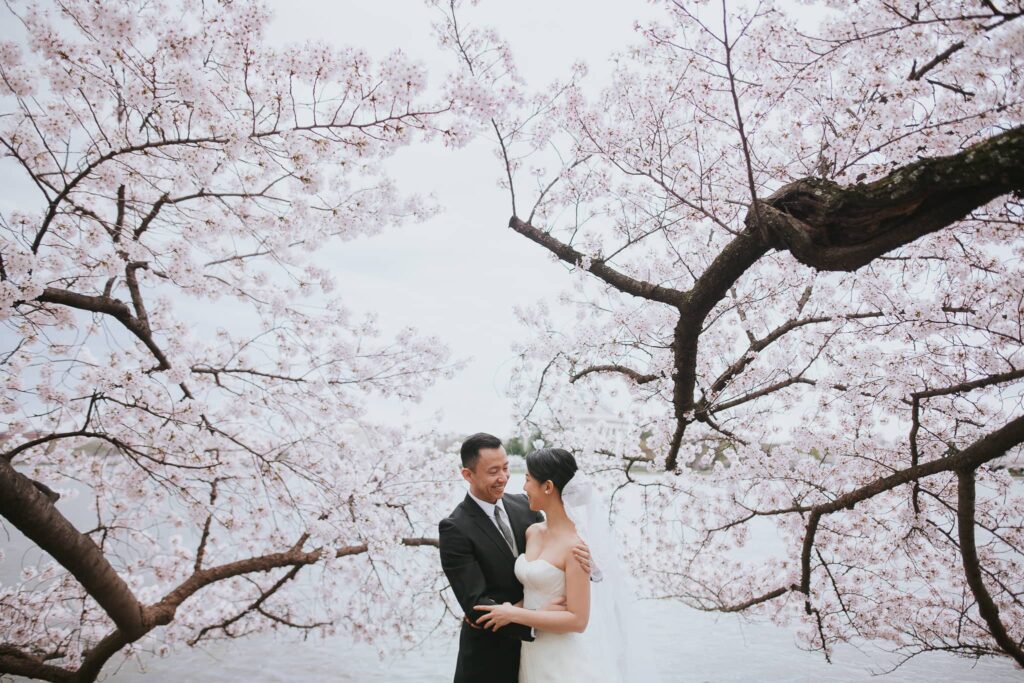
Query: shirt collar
(488, 508)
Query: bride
(592, 638)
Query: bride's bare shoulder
(536, 528)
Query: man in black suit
(479, 543)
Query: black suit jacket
(481, 569)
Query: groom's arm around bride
(461, 566)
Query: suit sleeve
(467, 579)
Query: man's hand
(581, 551)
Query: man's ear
(467, 474)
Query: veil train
(615, 629)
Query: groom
(480, 541)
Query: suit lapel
(488, 527)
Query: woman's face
(535, 492)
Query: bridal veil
(616, 629)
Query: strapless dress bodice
(542, 581)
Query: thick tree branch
(621, 369)
(917, 73)
(684, 380)
(831, 227)
(109, 306)
(972, 567)
(729, 266)
(742, 252)
(747, 604)
(163, 612)
(14, 661)
(34, 515)
(983, 450)
(598, 267)
(915, 412)
(825, 226)
(981, 382)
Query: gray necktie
(505, 531)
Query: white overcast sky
(460, 275)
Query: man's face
(487, 479)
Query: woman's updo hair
(552, 464)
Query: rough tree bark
(831, 227)
(32, 512)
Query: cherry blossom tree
(173, 351)
(793, 234)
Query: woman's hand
(496, 617)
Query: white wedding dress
(556, 657)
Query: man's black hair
(471, 447)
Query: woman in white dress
(589, 640)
